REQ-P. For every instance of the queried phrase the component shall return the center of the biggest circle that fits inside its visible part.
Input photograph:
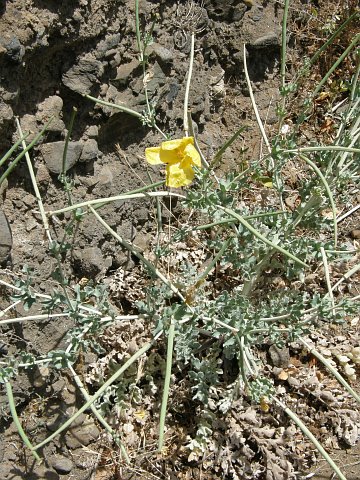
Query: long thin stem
(328, 191)
(262, 130)
(122, 108)
(283, 44)
(327, 277)
(311, 437)
(17, 421)
(24, 151)
(96, 412)
(336, 64)
(103, 201)
(98, 394)
(67, 139)
(133, 250)
(35, 186)
(13, 148)
(262, 237)
(331, 369)
(188, 83)
(165, 397)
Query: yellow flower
(180, 156)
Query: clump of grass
(247, 243)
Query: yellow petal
(190, 151)
(177, 177)
(177, 143)
(172, 144)
(152, 155)
(170, 156)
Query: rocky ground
(51, 55)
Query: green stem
(165, 397)
(133, 250)
(67, 139)
(311, 437)
(103, 201)
(117, 107)
(98, 394)
(17, 421)
(328, 191)
(24, 151)
(327, 277)
(325, 148)
(13, 148)
(331, 369)
(233, 220)
(261, 237)
(214, 261)
(336, 64)
(34, 184)
(97, 414)
(283, 45)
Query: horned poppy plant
(180, 157)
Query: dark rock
(280, 357)
(28, 124)
(12, 48)
(51, 107)
(161, 53)
(355, 233)
(90, 151)
(3, 187)
(62, 465)
(81, 77)
(124, 72)
(43, 177)
(90, 261)
(53, 154)
(269, 40)
(6, 113)
(218, 9)
(83, 435)
(239, 12)
(5, 238)
(108, 45)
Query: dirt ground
(51, 55)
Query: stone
(42, 176)
(81, 77)
(92, 131)
(90, 151)
(62, 465)
(280, 357)
(6, 113)
(51, 107)
(269, 40)
(161, 53)
(83, 435)
(12, 48)
(105, 177)
(5, 238)
(3, 188)
(124, 72)
(53, 154)
(108, 45)
(355, 233)
(89, 261)
(28, 124)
